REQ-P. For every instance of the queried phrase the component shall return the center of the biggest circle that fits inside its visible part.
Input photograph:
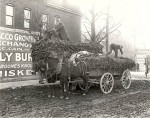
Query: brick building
(35, 9)
(18, 16)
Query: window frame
(10, 5)
(44, 23)
(26, 19)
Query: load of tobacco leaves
(100, 61)
(42, 49)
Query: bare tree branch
(100, 32)
(116, 25)
(98, 15)
(109, 33)
(87, 23)
(87, 31)
(87, 19)
(85, 37)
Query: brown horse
(40, 67)
(62, 69)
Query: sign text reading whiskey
(15, 56)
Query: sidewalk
(135, 76)
(140, 76)
(18, 84)
(19, 81)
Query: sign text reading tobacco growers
(15, 55)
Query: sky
(134, 16)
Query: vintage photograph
(74, 58)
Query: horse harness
(52, 71)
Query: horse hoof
(84, 94)
(61, 97)
(67, 98)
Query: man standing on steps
(115, 48)
(60, 30)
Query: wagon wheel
(82, 86)
(126, 79)
(107, 83)
(72, 87)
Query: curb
(14, 85)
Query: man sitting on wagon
(60, 30)
(115, 48)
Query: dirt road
(35, 102)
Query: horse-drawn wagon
(105, 75)
(92, 68)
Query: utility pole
(107, 29)
(93, 23)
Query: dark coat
(116, 47)
(62, 32)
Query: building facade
(141, 54)
(20, 20)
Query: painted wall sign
(15, 55)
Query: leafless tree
(93, 32)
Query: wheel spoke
(106, 83)
(109, 87)
(110, 79)
(110, 83)
(103, 85)
(103, 82)
(128, 76)
(106, 90)
(126, 79)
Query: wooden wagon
(105, 78)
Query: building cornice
(63, 9)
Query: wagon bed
(105, 78)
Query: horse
(40, 67)
(57, 70)
(63, 69)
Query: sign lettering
(15, 55)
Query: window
(44, 21)
(27, 17)
(9, 15)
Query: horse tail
(82, 67)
